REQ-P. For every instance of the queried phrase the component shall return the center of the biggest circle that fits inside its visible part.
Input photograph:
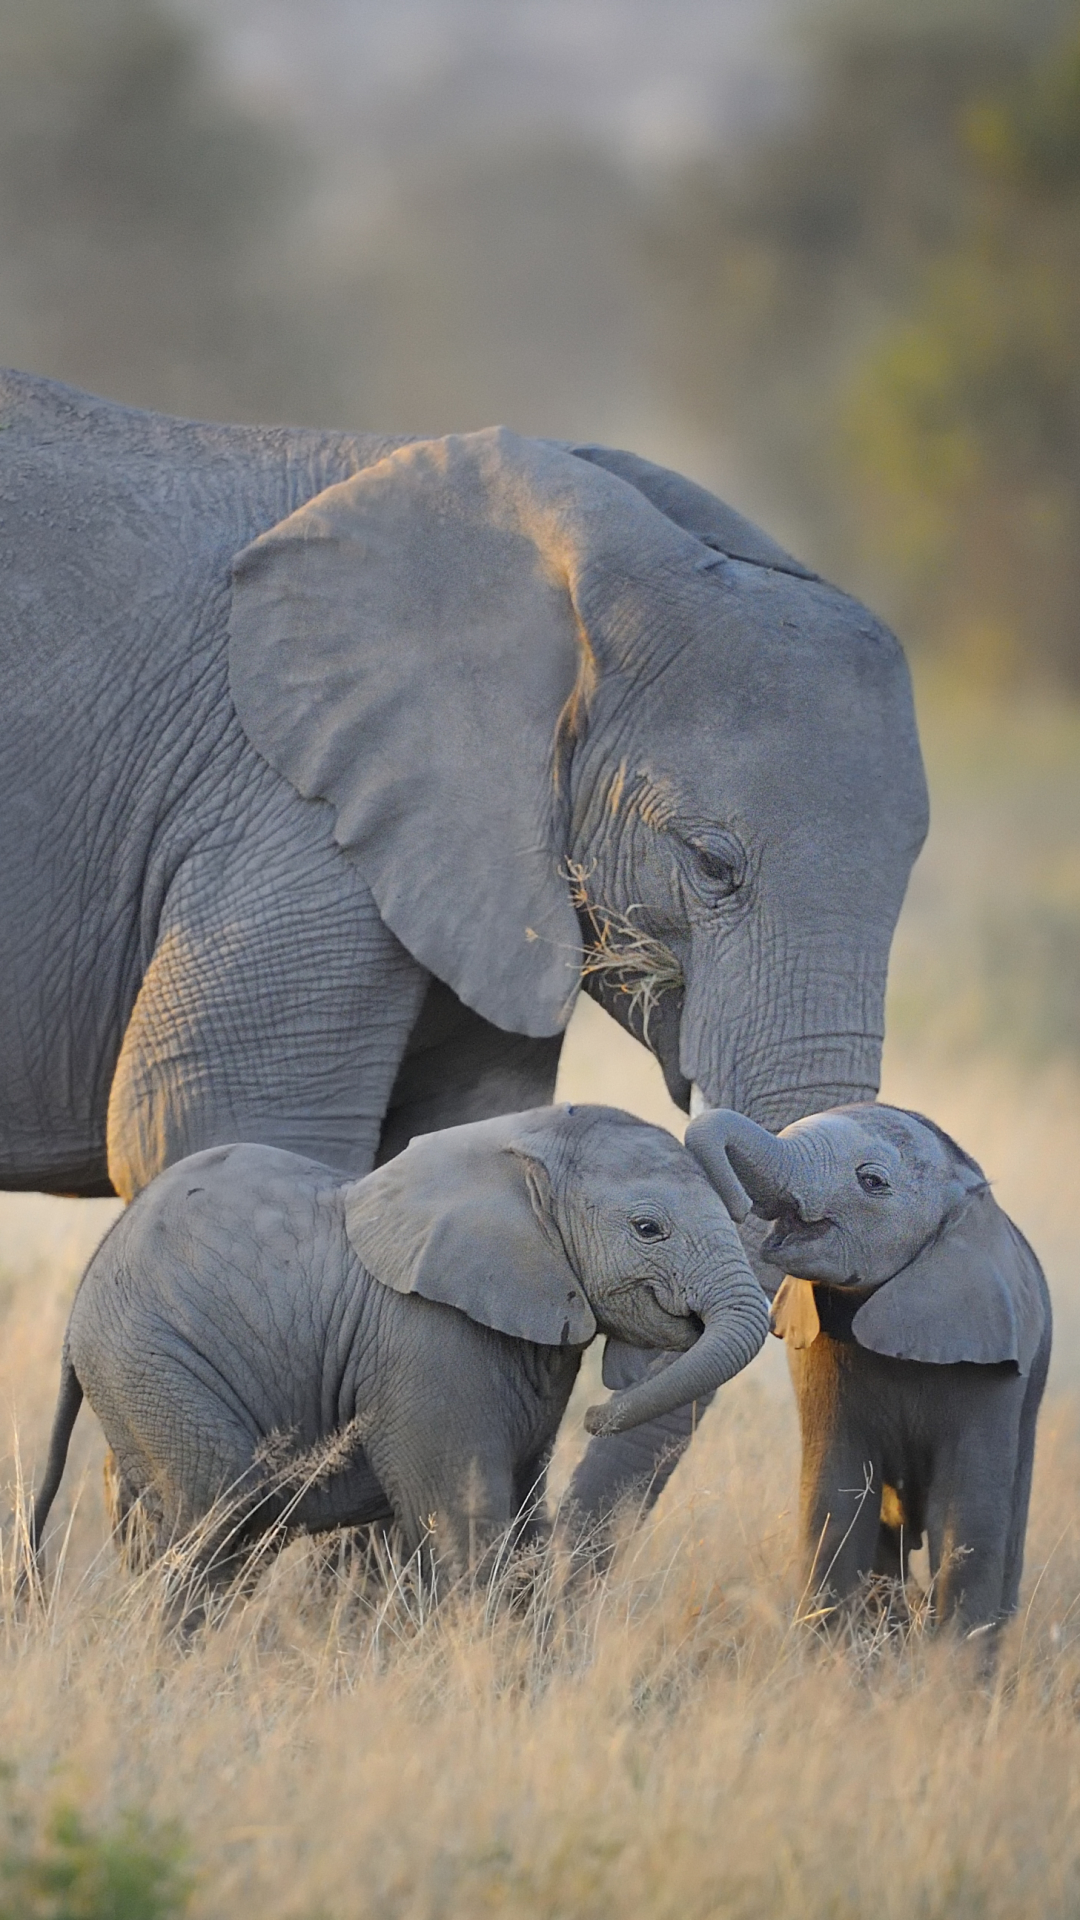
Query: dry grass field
(683, 1747)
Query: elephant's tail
(67, 1412)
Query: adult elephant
(323, 757)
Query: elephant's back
(227, 1278)
(117, 533)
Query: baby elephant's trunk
(747, 1165)
(735, 1314)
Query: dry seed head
(631, 961)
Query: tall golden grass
(681, 1744)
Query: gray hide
(426, 1321)
(922, 1359)
(322, 756)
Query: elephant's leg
(532, 1527)
(458, 1067)
(454, 1509)
(276, 1006)
(970, 1507)
(903, 1523)
(634, 1466)
(443, 1455)
(841, 1479)
(1021, 1492)
(891, 1552)
(840, 1523)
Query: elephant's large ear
(696, 509)
(975, 1293)
(462, 1217)
(403, 647)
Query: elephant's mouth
(791, 1234)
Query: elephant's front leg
(840, 1487)
(970, 1506)
(276, 1006)
(453, 1509)
(632, 1467)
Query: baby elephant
(919, 1353)
(427, 1321)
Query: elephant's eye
(872, 1180)
(719, 862)
(648, 1227)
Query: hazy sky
(647, 78)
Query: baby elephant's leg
(1021, 1489)
(454, 1502)
(841, 1480)
(970, 1503)
(840, 1514)
(187, 1475)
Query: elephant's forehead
(650, 1156)
(842, 1139)
(883, 1133)
(777, 663)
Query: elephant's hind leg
(1021, 1492)
(131, 1522)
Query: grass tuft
(629, 961)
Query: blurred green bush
(882, 304)
(60, 1869)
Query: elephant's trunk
(749, 1167)
(735, 1314)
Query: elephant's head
(559, 1223)
(577, 719)
(875, 1197)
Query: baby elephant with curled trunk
(427, 1322)
(919, 1349)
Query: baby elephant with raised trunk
(427, 1321)
(919, 1353)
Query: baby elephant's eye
(872, 1180)
(648, 1227)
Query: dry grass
(626, 960)
(683, 1746)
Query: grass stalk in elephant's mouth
(630, 960)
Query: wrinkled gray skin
(300, 731)
(442, 1304)
(930, 1365)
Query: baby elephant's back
(211, 1287)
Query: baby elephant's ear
(462, 1217)
(975, 1293)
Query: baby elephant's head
(855, 1193)
(877, 1198)
(561, 1222)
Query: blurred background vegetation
(856, 302)
(824, 256)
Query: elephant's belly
(55, 1074)
(72, 1164)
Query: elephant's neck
(837, 1307)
